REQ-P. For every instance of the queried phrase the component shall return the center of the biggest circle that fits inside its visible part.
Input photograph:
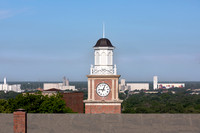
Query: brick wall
(74, 100)
(107, 109)
(20, 121)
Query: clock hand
(104, 87)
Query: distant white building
(157, 85)
(132, 86)
(123, 82)
(5, 87)
(122, 86)
(170, 85)
(137, 86)
(155, 82)
(61, 86)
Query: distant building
(122, 86)
(39, 89)
(155, 82)
(157, 85)
(151, 92)
(5, 87)
(132, 86)
(137, 86)
(60, 86)
(123, 82)
(170, 85)
(65, 82)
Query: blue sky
(46, 40)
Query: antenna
(103, 30)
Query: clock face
(103, 89)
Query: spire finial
(103, 30)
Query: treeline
(192, 85)
(162, 103)
(8, 95)
(79, 84)
(35, 103)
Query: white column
(113, 89)
(89, 89)
(117, 89)
(115, 70)
(93, 89)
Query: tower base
(103, 108)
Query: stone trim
(103, 76)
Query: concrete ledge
(6, 123)
(103, 101)
(123, 123)
(106, 123)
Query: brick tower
(103, 81)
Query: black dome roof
(103, 42)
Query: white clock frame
(105, 92)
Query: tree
(4, 106)
(10, 94)
(162, 103)
(35, 103)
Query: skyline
(45, 41)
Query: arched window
(109, 59)
(103, 58)
(97, 58)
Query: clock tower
(103, 81)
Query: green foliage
(35, 103)
(10, 94)
(4, 108)
(122, 96)
(162, 103)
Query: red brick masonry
(107, 109)
(74, 100)
(20, 122)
